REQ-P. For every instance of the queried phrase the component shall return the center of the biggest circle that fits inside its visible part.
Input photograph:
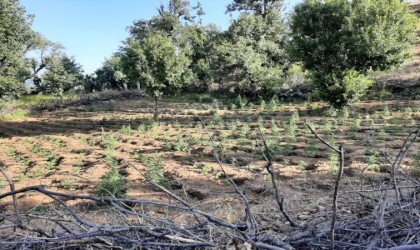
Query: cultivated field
(66, 150)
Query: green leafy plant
(113, 184)
(241, 102)
(155, 170)
(126, 130)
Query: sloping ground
(305, 169)
(406, 78)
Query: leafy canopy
(339, 41)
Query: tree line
(330, 46)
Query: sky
(92, 30)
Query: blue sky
(92, 30)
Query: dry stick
(340, 152)
(395, 165)
(249, 213)
(191, 209)
(12, 189)
(268, 165)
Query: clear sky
(91, 30)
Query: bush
(339, 41)
(341, 89)
(11, 87)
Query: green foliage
(155, 170)
(241, 101)
(63, 74)
(113, 185)
(340, 40)
(272, 105)
(126, 130)
(11, 87)
(109, 76)
(162, 66)
(16, 38)
(18, 156)
(373, 160)
(53, 160)
(252, 54)
(179, 145)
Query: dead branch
(340, 151)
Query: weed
(373, 160)
(68, 184)
(18, 156)
(155, 170)
(262, 105)
(53, 160)
(241, 102)
(408, 111)
(126, 130)
(179, 145)
(386, 111)
(331, 112)
(343, 113)
(57, 142)
(333, 162)
(310, 150)
(356, 124)
(16, 115)
(382, 134)
(206, 168)
(272, 105)
(302, 165)
(113, 184)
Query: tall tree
(175, 29)
(339, 41)
(16, 39)
(63, 74)
(111, 75)
(261, 8)
(252, 55)
(162, 67)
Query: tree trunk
(138, 85)
(156, 114)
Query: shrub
(241, 102)
(113, 184)
(155, 170)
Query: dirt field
(64, 150)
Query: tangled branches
(70, 223)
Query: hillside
(406, 79)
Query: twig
(268, 167)
(340, 152)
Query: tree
(16, 39)
(340, 41)
(63, 74)
(42, 56)
(164, 53)
(162, 66)
(111, 75)
(252, 54)
(261, 8)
